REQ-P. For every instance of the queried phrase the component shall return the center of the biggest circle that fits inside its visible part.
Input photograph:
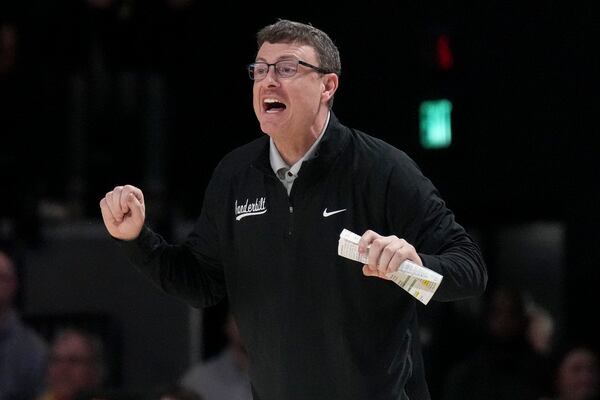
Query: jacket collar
(333, 142)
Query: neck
(293, 147)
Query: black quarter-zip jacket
(315, 326)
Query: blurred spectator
(225, 376)
(576, 374)
(8, 38)
(177, 392)
(76, 365)
(22, 351)
(504, 365)
(541, 329)
(448, 331)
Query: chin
(268, 128)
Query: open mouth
(273, 106)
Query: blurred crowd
(510, 349)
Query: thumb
(367, 271)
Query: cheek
(316, 92)
(255, 99)
(309, 96)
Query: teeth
(271, 101)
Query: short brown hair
(286, 31)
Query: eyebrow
(281, 58)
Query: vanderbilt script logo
(248, 209)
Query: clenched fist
(124, 212)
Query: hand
(386, 253)
(124, 212)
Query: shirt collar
(277, 161)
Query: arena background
(154, 95)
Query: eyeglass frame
(250, 66)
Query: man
(577, 375)
(76, 366)
(224, 376)
(22, 350)
(267, 235)
(503, 365)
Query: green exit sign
(435, 124)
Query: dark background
(154, 94)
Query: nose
(271, 75)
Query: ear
(329, 86)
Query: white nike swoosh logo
(328, 214)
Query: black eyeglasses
(283, 69)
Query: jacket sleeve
(443, 244)
(192, 270)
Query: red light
(445, 60)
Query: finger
(107, 215)
(138, 212)
(124, 198)
(400, 255)
(119, 197)
(136, 192)
(407, 252)
(375, 259)
(387, 255)
(113, 205)
(366, 240)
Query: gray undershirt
(287, 174)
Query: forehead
(71, 343)
(579, 357)
(272, 52)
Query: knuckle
(368, 233)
